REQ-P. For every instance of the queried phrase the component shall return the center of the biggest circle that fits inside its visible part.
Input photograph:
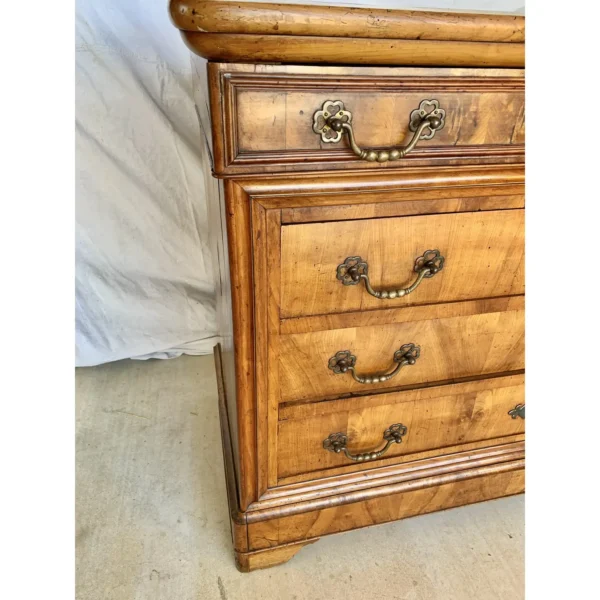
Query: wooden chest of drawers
(368, 238)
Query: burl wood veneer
(371, 300)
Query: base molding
(384, 509)
(263, 539)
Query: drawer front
(429, 419)
(482, 258)
(268, 119)
(450, 348)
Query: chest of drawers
(367, 212)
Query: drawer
(482, 258)
(425, 420)
(270, 118)
(311, 365)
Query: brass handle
(333, 120)
(337, 442)
(517, 411)
(354, 270)
(344, 361)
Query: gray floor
(152, 511)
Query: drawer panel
(483, 257)
(450, 348)
(434, 418)
(266, 116)
(377, 119)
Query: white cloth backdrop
(144, 281)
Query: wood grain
(266, 119)
(449, 419)
(323, 190)
(483, 250)
(377, 210)
(314, 20)
(337, 474)
(240, 265)
(274, 328)
(385, 316)
(280, 119)
(451, 348)
(239, 533)
(295, 411)
(261, 336)
(403, 501)
(253, 48)
(269, 557)
(295, 207)
(258, 431)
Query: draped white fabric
(144, 281)
(144, 284)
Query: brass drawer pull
(354, 269)
(332, 120)
(344, 361)
(517, 411)
(337, 442)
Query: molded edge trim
(253, 48)
(316, 20)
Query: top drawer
(263, 116)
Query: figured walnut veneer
(286, 209)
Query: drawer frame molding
(255, 208)
(228, 81)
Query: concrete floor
(152, 511)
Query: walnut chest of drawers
(367, 211)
